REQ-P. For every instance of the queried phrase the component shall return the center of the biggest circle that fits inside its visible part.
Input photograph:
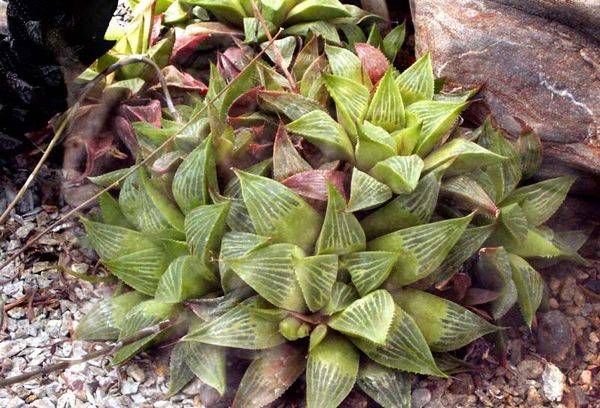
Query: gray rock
(530, 369)
(420, 397)
(10, 348)
(129, 387)
(534, 69)
(553, 382)
(556, 340)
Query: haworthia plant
(314, 220)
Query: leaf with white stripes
(191, 181)
(236, 245)
(111, 241)
(445, 325)
(341, 233)
(529, 147)
(320, 129)
(513, 221)
(292, 105)
(330, 372)
(238, 328)
(422, 248)
(270, 272)
(342, 296)
(159, 205)
(141, 269)
(393, 41)
(269, 376)
(346, 64)
(468, 243)
(438, 118)
(204, 228)
(405, 347)
(400, 173)
(229, 10)
(111, 211)
(143, 315)
(130, 199)
(311, 10)
(106, 318)
(316, 276)
(540, 201)
(406, 210)
(466, 194)
(388, 387)
(369, 269)
(286, 159)
(185, 278)
(407, 138)
(351, 100)
(466, 156)
(386, 108)
(366, 192)
(416, 82)
(530, 287)
(208, 363)
(179, 373)
(493, 272)
(374, 145)
(369, 317)
(279, 213)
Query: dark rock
(555, 339)
(533, 69)
(462, 383)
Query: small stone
(11, 347)
(129, 387)
(553, 303)
(533, 397)
(530, 369)
(554, 285)
(556, 340)
(567, 292)
(586, 377)
(420, 397)
(135, 372)
(553, 382)
(43, 403)
(594, 337)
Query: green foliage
(257, 234)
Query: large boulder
(536, 70)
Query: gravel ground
(556, 366)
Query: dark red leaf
(185, 46)
(245, 103)
(231, 62)
(156, 27)
(142, 110)
(125, 133)
(181, 81)
(373, 61)
(478, 296)
(313, 184)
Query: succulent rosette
(316, 222)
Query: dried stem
(70, 112)
(133, 168)
(104, 351)
(278, 56)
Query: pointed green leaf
(346, 64)
(513, 221)
(204, 228)
(342, 296)
(400, 173)
(369, 269)
(236, 245)
(269, 376)
(130, 199)
(321, 130)
(437, 117)
(529, 146)
(164, 206)
(366, 192)
(278, 212)
(228, 10)
(466, 194)
(306, 56)
(310, 10)
(286, 47)
(405, 347)
(445, 325)
(422, 248)
(540, 201)
(330, 372)
(245, 81)
(111, 212)
(191, 181)
(317, 335)
(406, 210)
(316, 276)
(386, 108)
(452, 365)
(286, 159)
(374, 145)
(351, 100)
(107, 179)
(208, 363)
(375, 39)
(238, 328)
(416, 83)
(389, 388)
(270, 272)
(145, 314)
(312, 84)
(106, 318)
(530, 287)
(494, 273)
(467, 156)
(292, 105)
(369, 317)
(408, 138)
(179, 372)
(341, 233)
(393, 42)
(324, 29)
(185, 278)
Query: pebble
(530, 369)
(10, 348)
(586, 377)
(420, 397)
(533, 397)
(135, 372)
(129, 387)
(553, 382)
(567, 292)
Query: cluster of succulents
(316, 220)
